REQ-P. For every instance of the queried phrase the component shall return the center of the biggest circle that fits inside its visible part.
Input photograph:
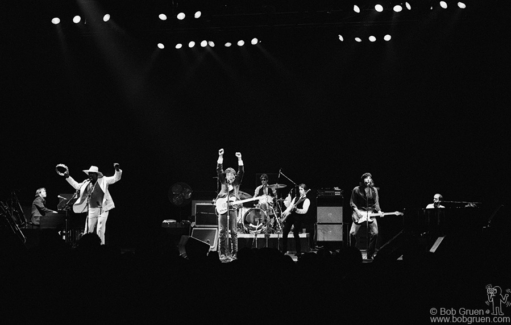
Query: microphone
(61, 197)
(279, 173)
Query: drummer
(263, 190)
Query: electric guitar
(292, 207)
(368, 216)
(221, 203)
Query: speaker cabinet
(208, 235)
(329, 232)
(330, 214)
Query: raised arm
(219, 163)
(117, 176)
(241, 168)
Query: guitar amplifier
(204, 212)
(206, 220)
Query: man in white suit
(95, 198)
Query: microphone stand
(367, 220)
(66, 208)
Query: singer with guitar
(94, 197)
(230, 186)
(364, 201)
(293, 216)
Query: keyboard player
(39, 208)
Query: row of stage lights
(256, 41)
(205, 43)
(198, 14)
(407, 5)
(180, 16)
(371, 38)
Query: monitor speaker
(208, 235)
(193, 248)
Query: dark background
(425, 113)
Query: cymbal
(244, 195)
(277, 186)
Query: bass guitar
(368, 216)
(292, 207)
(221, 203)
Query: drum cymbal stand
(254, 243)
(267, 230)
(278, 225)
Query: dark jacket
(223, 181)
(39, 209)
(363, 202)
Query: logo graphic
(497, 299)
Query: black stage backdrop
(424, 113)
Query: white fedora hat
(93, 169)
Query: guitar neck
(372, 214)
(244, 201)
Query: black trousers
(296, 220)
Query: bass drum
(239, 220)
(255, 220)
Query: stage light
(55, 21)
(179, 45)
(228, 44)
(408, 6)
(254, 41)
(181, 16)
(197, 15)
(191, 44)
(358, 39)
(372, 38)
(341, 38)
(161, 46)
(241, 42)
(462, 5)
(356, 9)
(387, 37)
(162, 16)
(211, 44)
(106, 18)
(204, 43)
(378, 8)
(77, 19)
(443, 4)
(398, 8)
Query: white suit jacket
(103, 182)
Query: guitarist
(230, 185)
(293, 216)
(365, 198)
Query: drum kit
(263, 217)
